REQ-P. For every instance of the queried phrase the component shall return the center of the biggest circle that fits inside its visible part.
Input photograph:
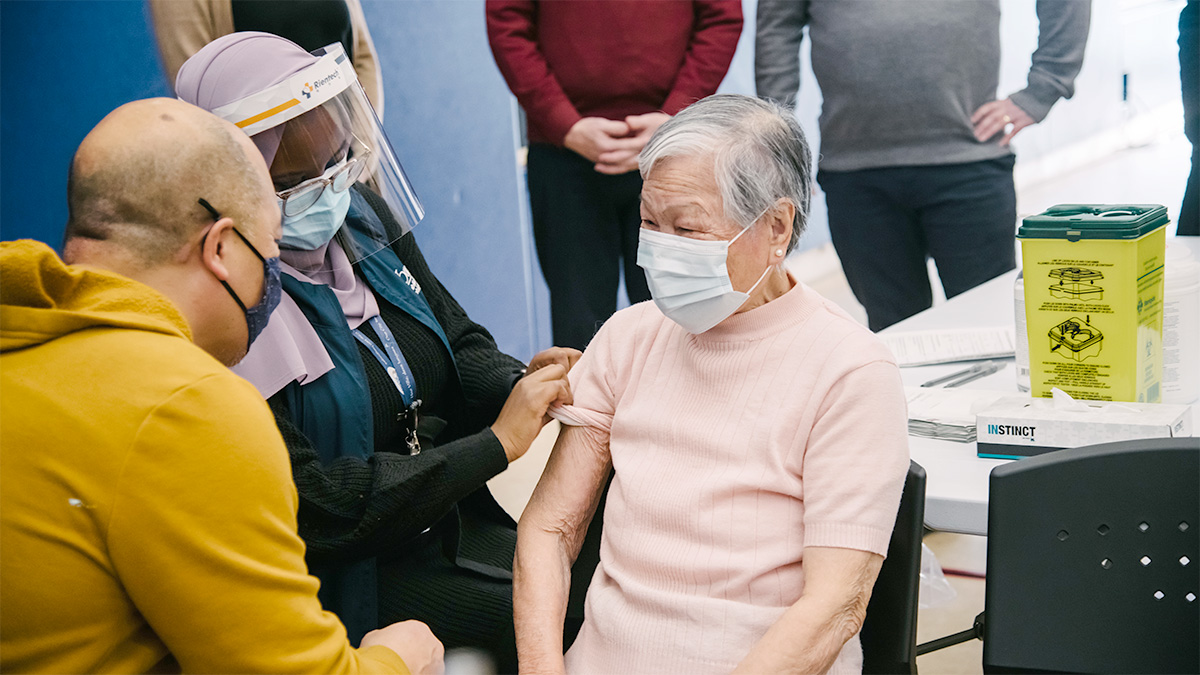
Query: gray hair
(759, 154)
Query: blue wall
(68, 63)
(451, 119)
(65, 65)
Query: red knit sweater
(569, 59)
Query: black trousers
(462, 607)
(886, 222)
(585, 226)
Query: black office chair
(889, 631)
(1093, 561)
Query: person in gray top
(914, 155)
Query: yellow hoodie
(147, 511)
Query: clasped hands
(613, 145)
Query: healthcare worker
(396, 408)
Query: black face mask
(258, 315)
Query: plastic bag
(935, 589)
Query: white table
(956, 492)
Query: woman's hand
(563, 356)
(524, 413)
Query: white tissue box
(1021, 426)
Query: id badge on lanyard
(393, 361)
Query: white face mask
(689, 278)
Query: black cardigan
(354, 509)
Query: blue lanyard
(393, 361)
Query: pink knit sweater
(783, 427)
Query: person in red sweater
(596, 78)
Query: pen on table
(955, 375)
(963, 376)
(984, 371)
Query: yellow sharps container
(1093, 300)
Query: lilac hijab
(228, 69)
(237, 65)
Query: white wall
(1134, 37)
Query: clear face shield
(334, 170)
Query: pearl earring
(778, 253)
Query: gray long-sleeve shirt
(901, 78)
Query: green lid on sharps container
(1094, 221)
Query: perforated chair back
(1093, 559)
(889, 631)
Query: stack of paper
(947, 414)
(927, 347)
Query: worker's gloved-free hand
(524, 413)
(563, 356)
(412, 641)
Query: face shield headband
(331, 75)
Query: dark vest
(334, 411)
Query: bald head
(136, 179)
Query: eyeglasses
(297, 200)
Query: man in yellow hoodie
(147, 511)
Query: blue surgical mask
(315, 226)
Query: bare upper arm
(567, 493)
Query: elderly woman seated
(757, 434)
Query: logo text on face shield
(314, 87)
